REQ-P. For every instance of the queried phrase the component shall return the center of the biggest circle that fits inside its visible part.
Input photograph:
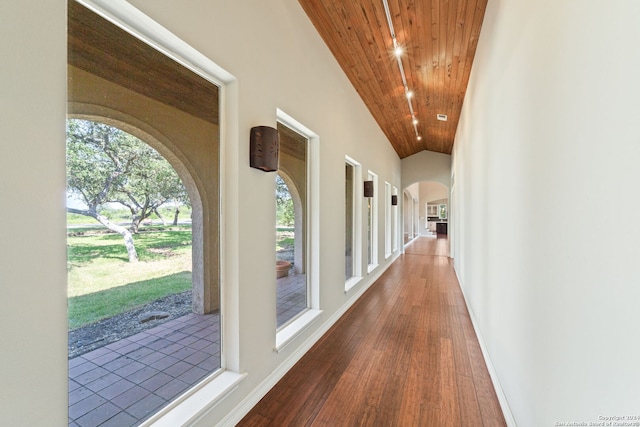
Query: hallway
(405, 354)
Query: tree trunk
(126, 234)
(175, 217)
(135, 224)
(160, 216)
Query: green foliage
(101, 281)
(107, 165)
(284, 243)
(284, 204)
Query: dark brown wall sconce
(264, 148)
(368, 189)
(394, 200)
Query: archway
(408, 217)
(433, 208)
(426, 206)
(199, 289)
(298, 222)
(292, 293)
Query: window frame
(292, 329)
(387, 220)
(206, 394)
(394, 231)
(372, 234)
(357, 224)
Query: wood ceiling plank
(385, 70)
(367, 76)
(439, 36)
(425, 45)
(405, 16)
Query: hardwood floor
(405, 354)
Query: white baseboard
(502, 398)
(243, 408)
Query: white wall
(430, 191)
(426, 166)
(549, 129)
(32, 192)
(279, 61)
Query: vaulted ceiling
(438, 40)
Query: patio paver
(125, 382)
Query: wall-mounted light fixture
(263, 148)
(368, 189)
(394, 200)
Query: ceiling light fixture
(398, 51)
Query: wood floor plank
(450, 408)
(404, 354)
(487, 398)
(256, 420)
(469, 407)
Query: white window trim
(287, 333)
(387, 220)
(294, 328)
(210, 391)
(374, 223)
(394, 213)
(357, 224)
(351, 283)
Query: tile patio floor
(291, 297)
(127, 381)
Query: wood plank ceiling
(439, 38)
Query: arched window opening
(425, 210)
(291, 211)
(408, 217)
(117, 185)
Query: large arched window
(291, 259)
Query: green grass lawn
(101, 281)
(285, 238)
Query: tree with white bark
(106, 165)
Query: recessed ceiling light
(442, 117)
(415, 121)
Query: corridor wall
(545, 206)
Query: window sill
(293, 329)
(196, 401)
(351, 283)
(371, 267)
